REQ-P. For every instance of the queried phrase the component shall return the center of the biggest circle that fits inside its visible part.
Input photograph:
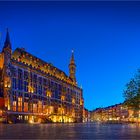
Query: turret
(72, 68)
(6, 71)
(7, 49)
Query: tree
(132, 93)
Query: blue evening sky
(104, 35)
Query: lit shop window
(19, 103)
(20, 117)
(26, 118)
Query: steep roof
(7, 42)
(22, 56)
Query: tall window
(19, 103)
(20, 79)
(35, 83)
(51, 109)
(25, 106)
(14, 105)
(40, 85)
(44, 86)
(35, 87)
(26, 81)
(34, 108)
(40, 89)
(26, 86)
(26, 118)
(39, 107)
(14, 83)
(44, 108)
(0, 112)
(20, 84)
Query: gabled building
(32, 90)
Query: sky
(105, 37)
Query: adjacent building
(32, 90)
(117, 112)
(86, 115)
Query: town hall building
(32, 90)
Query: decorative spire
(72, 51)
(72, 58)
(72, 68)
(7, 42)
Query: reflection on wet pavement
(70, 131)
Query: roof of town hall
(20, 55)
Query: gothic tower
(7, 50)
(6, 73)
(72, 68)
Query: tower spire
(7, 43)
(72, 56)
(72, 67)
(7, 40)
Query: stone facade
(32, 90)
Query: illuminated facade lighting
(34, 90)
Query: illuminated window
(39, 107)
(14, 105)
(7, 104)
(26, 118)
(73, 113)
(19, 103)
(51, 109)
(34, 108)
(73, 101)
(61, 110)
(0, 112)
(25, 107)
(44, 109)
(20, 117)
